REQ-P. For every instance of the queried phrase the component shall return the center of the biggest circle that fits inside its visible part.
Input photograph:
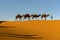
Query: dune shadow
(2, 21)
(7, 27)
(25, 36)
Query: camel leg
(42, 18)
(15, 18)
(28, 18)
(32, 17)
(36, 18)
(24, 18)
(45, 18)
(20, 19)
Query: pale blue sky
(9, 8)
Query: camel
(27, 16)
(44, 16)
(35, 16)
(19, 16)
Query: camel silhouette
(27, 16)
(19, 16)
(35, 16)
(44, 16)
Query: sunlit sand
(30, 30)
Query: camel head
(26, 14)
(39, 14)
(47, 15)
(31, 14)
(23, 15)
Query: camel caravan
(32, 16)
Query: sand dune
(44, 30)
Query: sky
(10, 8)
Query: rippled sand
(30, 30)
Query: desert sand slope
(47, 30)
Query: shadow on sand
(2, 21)
(25, 36)
(7, 27)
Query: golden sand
(48, 30)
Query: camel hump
(43, 14)
(27, 14)
(18, 14)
